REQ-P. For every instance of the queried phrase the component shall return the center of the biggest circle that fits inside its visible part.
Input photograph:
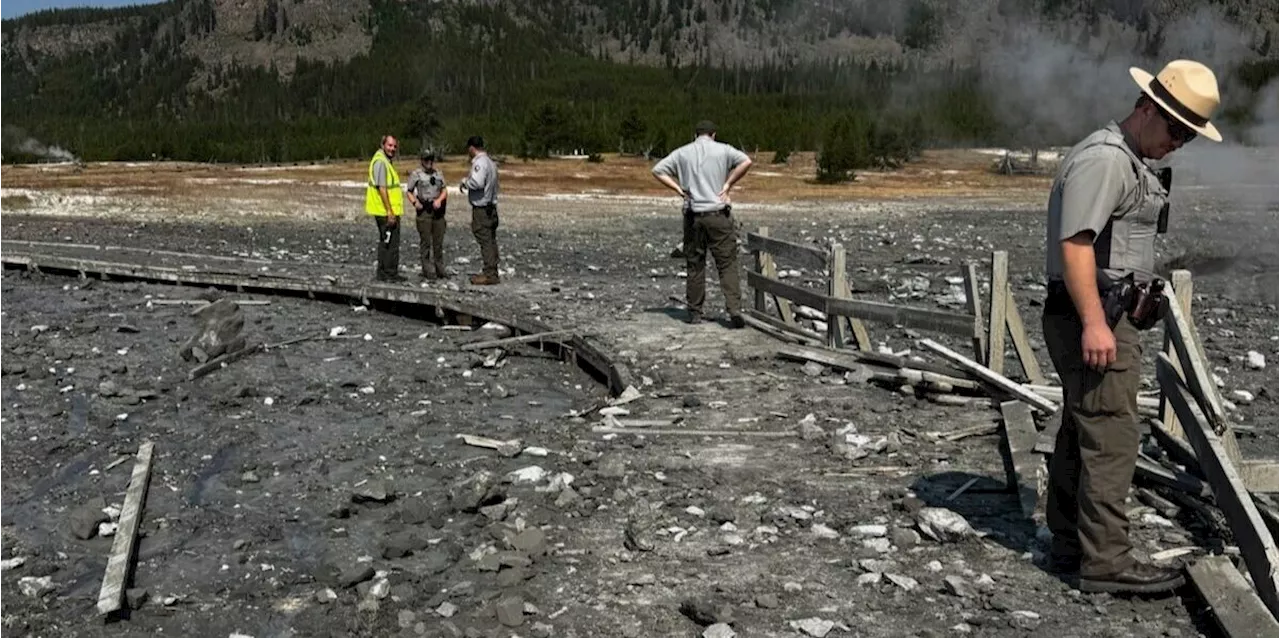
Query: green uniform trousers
(484, 225)
(1097, 446)
(714, 231)
(431, 225)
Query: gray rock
(85, 519)
(371, 491)
(531, 541)
(767, 601)
(811, 431)
(510, 611)
(541, 630)
(691, 401)
(815, 627)
(35, 586)
(219, 331)
(612, 467)
(719, 630)
(402, 544)
(904, 538)
(473, 492)
(416, 511)
(406, 618)
(705, 612)
(355, 575)
(956, 586)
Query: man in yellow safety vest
(384, 200)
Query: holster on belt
(1143, 303)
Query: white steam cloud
(17, 139)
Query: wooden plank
(1182, 288)
(1260, 476)
(837, 334)
(1021, 345)
(768, 328)
(1194, 368)
(973, 304)
(761, 258)
(919, 318)
(1177, 449)
(604, 429)
(999, 312)
(1149, 470)
(810, 257)
(553, 335)
(1049, 436)
(986, 374)
(802, 296)
(1016, 447)
(1238, 611)
(1251, 534)
(836, 360)
(123, 548)
(217, 363)
(809, 336)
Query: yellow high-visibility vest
(372, 200)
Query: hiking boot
(392, 279)
(484, 280)
(694, 317)
(1062, 564)
(1140, 578)
(737, 322)
(427, 275)
(441, 273)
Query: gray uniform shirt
(1104, 188)
(380, 174)
(426, 186)
(482, 183)
(701, 167)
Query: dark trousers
(431, 228)
(1097, 446)
(714, 232)
(388, 249)
(484, 225)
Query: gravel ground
(347, 506)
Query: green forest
(520, 85)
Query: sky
(15, 8)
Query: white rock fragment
(943, 525)
(823, 532)
(934, 566)
(447, 609)
(1157, 520)
(614, 410)
(1255, 360)
(107, 529)
(35, 586)
(868, 531)
(337, 330)
(12, 563)
(268, 401)
(694, 510)
(1243, 396)
(872, 578)
(816, 627)
(907, 583)
(534, 451)
(719, 630)
(531, 474)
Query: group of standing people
(1106, 206)
(428, 193)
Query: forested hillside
(287, 80)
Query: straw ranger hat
(1186, 90)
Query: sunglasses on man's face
(1177, 130)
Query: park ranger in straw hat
(1105, 209)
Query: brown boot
(484, 280)
(1138, 579)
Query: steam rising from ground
(15, 139)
